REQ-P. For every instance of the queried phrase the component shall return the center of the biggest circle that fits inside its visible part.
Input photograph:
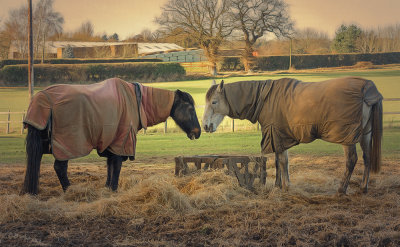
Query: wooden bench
(244, 173)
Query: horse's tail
(376, 137)
(34, 153)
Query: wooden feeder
(237, 166)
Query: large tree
(46, 22)
(16, 30)
(205, 20)
(255, 18)
(346, 38)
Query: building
(55, 49)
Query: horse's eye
(214, 102)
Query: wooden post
(8, 122)
(165, 126)
(30, 54)
(22, 128)
(233, 125)
(258, 126)
(290, 54)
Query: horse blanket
(292, 112)
(105, 115)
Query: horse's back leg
(109, 172)
(61, 168)
(282, 170)
(350, 154)
(366, 146)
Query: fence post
(258, 126)
(23, 117)
(233, 125)
(8, 122)
(165, 126)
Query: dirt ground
(154, 208)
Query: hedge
(310, 61)
(78, 61)
(45, 74)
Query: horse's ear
(220, 86)
(179, 93)
(183, 96)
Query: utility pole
(290, 54)
(30, 53)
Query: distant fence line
(8, 122)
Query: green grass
(177, 144)
(387, 81)
(172, 144)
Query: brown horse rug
(292, 112)
(100, 116)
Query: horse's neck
(157, 104)
(245, 98)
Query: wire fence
(11, 122)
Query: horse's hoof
(341, 192)
(364, 190)
(65, 188)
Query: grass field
(154, 208)
(387, 81)
(167, 146)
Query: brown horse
(69, 121)
(344, 111)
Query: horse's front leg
(61, 168)
(282, 170)
(350, 154)
(116, 163)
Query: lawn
(158, 145)
(153, 207)
(245, 141)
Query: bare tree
(205, 20)
(147, 35)
(47, 23)
(367, 42)
(255, 18)
(389, 38)
(84, 33)
(16, 30)
(311, 41)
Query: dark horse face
(184, 114)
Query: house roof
(51, 46)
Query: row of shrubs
(77, 61)
(45, 74)
(310, 61)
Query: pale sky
(129, 17)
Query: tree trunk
(43, 47)
(248, 58)
(213, 69)
(211, 52)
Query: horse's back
(101, 115)
(300, 112)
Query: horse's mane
(210, 92)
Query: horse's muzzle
(194, 134)
(209, 129)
